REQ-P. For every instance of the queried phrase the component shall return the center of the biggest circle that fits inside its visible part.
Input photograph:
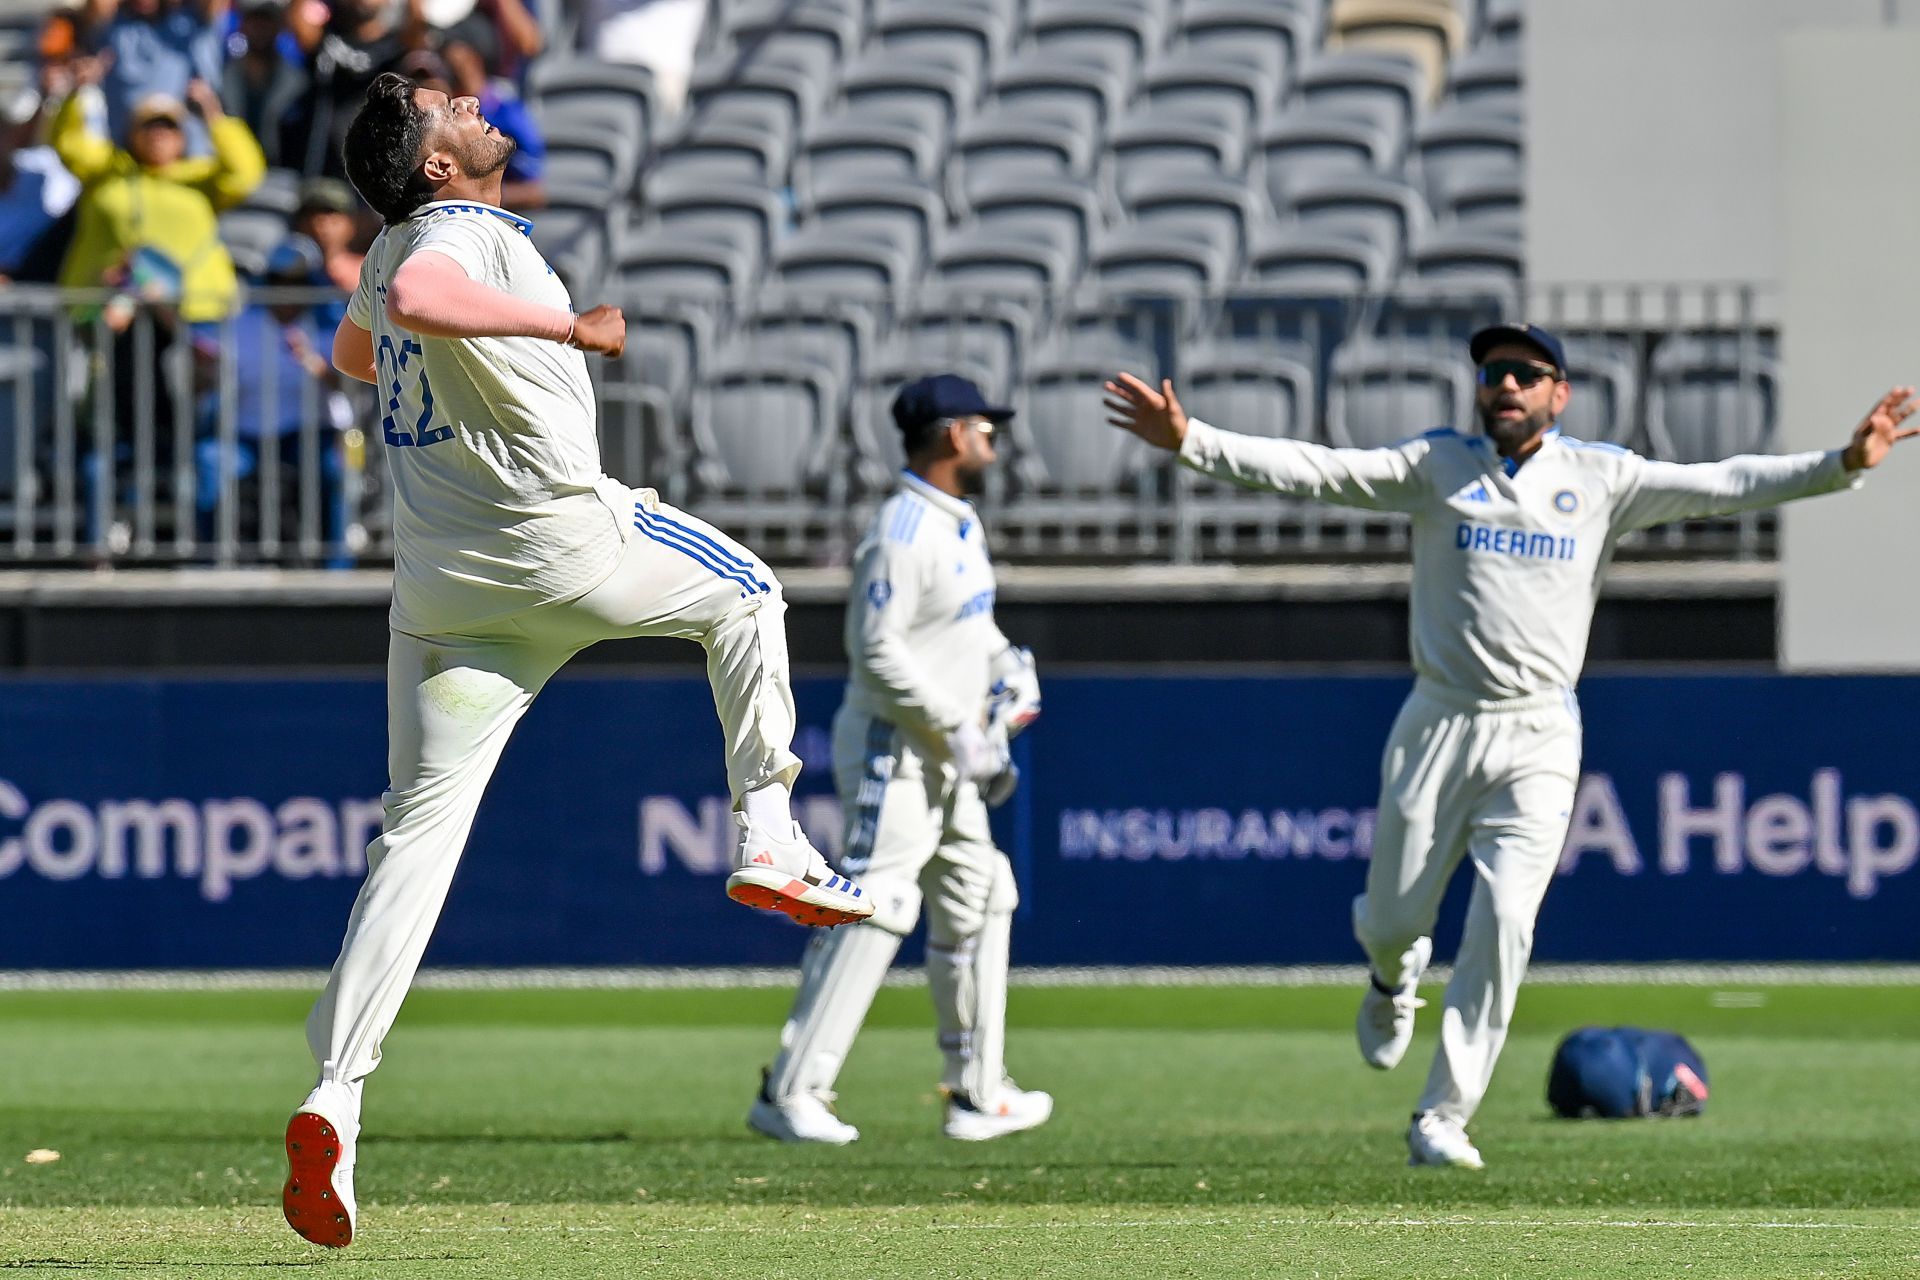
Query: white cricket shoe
(321, 1136)
(1385, 1025)
(1434, 1140)
(784, 872)
(805, 1117)
(1011, 1110)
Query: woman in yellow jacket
(148, 214)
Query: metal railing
(127, 437)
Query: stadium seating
(1299, 207)
(1711, 395)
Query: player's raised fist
(1154, 416)
(602, 329)
(1880, 430)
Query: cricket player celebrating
(934, 691)
(512, 552)
(1512, 529)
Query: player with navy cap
(1513, 527)
(920, 752)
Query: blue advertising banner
(223, 823)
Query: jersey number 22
(393, 362)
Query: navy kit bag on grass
(1617, 1072)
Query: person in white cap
(919, 752)
(1513, 528)
(513, 551)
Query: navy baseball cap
(944, 395)
(1526, 335)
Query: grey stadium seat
(1382, 210)
(1145, 148)
(1216, 211)
(1318, 262)
(1080, 453)
(793, 326)
(741, 214)
(1199, 86)
(1464, 254)
(1710, 397)
(1383, 393)
(996, 262)
(1454, 142)
(1482, 198)
(1043, 85)
(1255, 388)
(861, 148)
(908, 217)
(668, 344)
(1108, 33)
(1488, 78)
(942, 326)
(612, 97)
(1503, 20)
(583, 156)
(1296, 148)
(1146, 259)
(1060, 213)
(726, 152)
(770, 28)
(679, 264)
(930, 97)
(1268, 35)
(1379, 88)
(767, 96)
(993, 149)
(840, 263)
(968, 40)
(1605, 376)
(1442, 313)
(764, 433)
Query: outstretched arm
(432, 295)
(1377, 479)
(1664, 491)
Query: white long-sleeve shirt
(1506, 568)
(920, 633)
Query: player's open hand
(603, 329)
(1154, 416)
(1880, 430)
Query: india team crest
(1566, 502)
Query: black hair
(383, 149)
(921, 436)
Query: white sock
(769, 806)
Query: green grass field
(1199, 1132)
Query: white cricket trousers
(914, 836)
(453, 701)
(1493, 782)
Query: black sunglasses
(1524, 372)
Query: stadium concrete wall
(1654, 134)
(1849, 329)
(1167, 820)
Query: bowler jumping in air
(1513, 528)
(513, 551)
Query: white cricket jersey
(500, 502)
(920, 631)
(1506, 568)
